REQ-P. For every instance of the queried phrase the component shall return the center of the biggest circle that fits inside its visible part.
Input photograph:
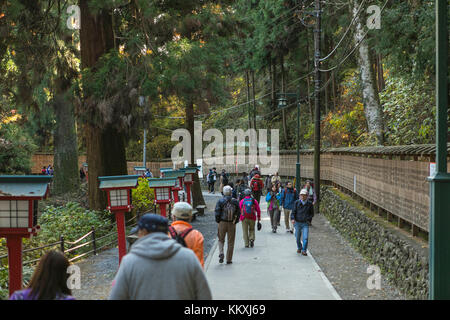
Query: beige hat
(182, 210)
(304, 191)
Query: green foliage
(71, 220)
(16, 148)
(143, 196)
(410, 108)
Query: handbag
(259, 226)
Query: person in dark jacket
(288, 197)
(301, 216)
(227, 215)
(245, 178)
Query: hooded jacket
(194, 239)
(288, 198)
(257, 209)
(159, 268)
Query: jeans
(301, 230)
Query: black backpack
(179, 237)
(229, 210)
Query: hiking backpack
(228, 211)
(179, 237)
(255, 185)
(249, 208)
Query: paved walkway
(272, 270)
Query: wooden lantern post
(118, 189)
(19, 196)
(178, 175)
(189, 180)
(162, 188)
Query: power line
(356, 46)
(346, 32)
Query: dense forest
(71, 90)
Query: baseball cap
(152, 223)
(182, 210)
(304, 191)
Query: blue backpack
(249, 208)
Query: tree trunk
(273, 73)
(283, 112)
(247, 79)
(381, 82)
(66, 177)
(308, 80)
(196, 189)
(372, 107)
(104, 143)
(254, 99)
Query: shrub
(143, 196)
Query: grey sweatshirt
(159, 268)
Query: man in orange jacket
(182, 215)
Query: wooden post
(61, 239)
(120, 220)
(389, 216)
(414, 230)
(14, 243)
(93, 241)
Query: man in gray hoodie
(158, 267)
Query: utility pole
(254, 99)
(439, 237)
(247, 78)
(317, 33)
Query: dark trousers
(256, 195)
(274, 218)
(226, 229)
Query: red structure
(119, 201)
(162, 188)
(19, 196)
(179, 183)
(189, 180)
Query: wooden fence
(393, 179)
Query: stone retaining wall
(403, 263)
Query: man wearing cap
(158, 267)
(301, 216)
(227, 215)
(182, 215)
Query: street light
(282, 103)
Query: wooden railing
(74, 246)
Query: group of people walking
(242, 204)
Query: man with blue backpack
(250, 211)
